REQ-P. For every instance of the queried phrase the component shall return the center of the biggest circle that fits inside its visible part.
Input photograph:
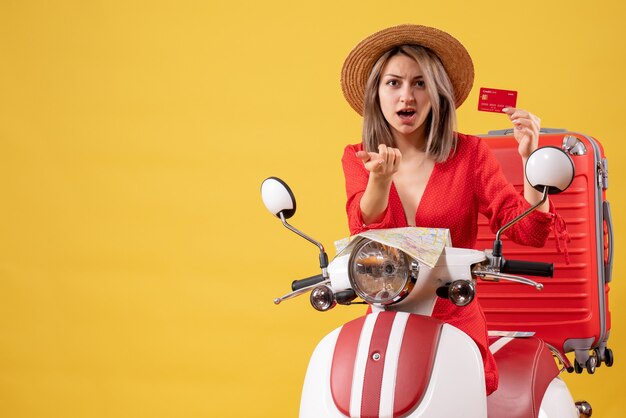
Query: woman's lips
(406, 116)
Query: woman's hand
(526, 130)
(383, 163)
(526, 133)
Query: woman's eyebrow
(398, 76)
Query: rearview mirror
(549, 167)
(278, 197)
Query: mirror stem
(323, 256)
(497, 244)
(544, 197)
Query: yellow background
(137, 263)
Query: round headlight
(379, 273)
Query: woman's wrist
(380, 179)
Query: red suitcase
(571, 313)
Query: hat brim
(359, 63)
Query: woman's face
(404, 100)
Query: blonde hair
(441, 121)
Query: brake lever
(496, 276)
(299, 292)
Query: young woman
(413, 169)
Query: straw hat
(454, 57)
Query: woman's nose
(407, 96)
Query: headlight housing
(381, 274)
(461, 292)
(323, 298)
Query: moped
(399, 361)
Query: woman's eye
(420, 84)
(392, 83)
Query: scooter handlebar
(309, 281)
(527, 268)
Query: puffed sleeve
(500, 202)
(356, 177)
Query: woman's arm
(526, 132)
(381, 166)
(499, 201)
(357, 179)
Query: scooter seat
(526, 368)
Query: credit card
(494, 100)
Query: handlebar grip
(529, 268)
(309, 281)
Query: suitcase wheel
(599, 355)
(608, 357)
(604, 355)
(577, 367)
(590, 364)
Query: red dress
(469, 182)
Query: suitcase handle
(501, 132)
(529, 268)
(608, 266)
